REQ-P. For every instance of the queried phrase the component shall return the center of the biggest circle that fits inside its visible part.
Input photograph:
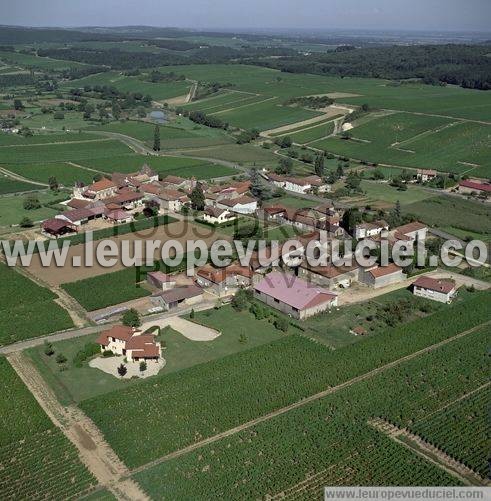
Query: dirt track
(94, 452)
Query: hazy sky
(466, 15)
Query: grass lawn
(376, 191)
(76, 384)
(12, 210)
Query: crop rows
(36, 460)
(225, 393)
(331, 438)
(461, 430)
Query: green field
(12, 210)
(36, 460)
(462, 430)
(17, 139)
(112, 288)
(164, 165)
(252, 383)
(331, 441)
(28, 310)
(8, 185)
(63, 152)
(159, 91)
(454, 213)
(417, 141)
(33, 61)
(64, 173)
(376, 191)
(312, 133)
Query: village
(289, 285)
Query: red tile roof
(438, 285)
(121, 332)
(410, 227)
(101, 185)
(219, 275)
(76, 203)
(474, 185)
(382, 271)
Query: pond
(158, 116)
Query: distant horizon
(418, 15)
(260, 29)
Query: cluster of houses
(470, 187)
(302, 185)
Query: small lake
(158, 116)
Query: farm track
(94, 452)
(244, 106)
(429, 452)
(21, 178)
(303, 402)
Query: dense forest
(465, 65)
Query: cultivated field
(28, 310)
(288, 370)
(36, 459)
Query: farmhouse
(330, 276)
(118, 216)
(221, 280)
(425, 175)
(294, 296)
(82, 216)
(172, 298)
(241, 205)
(172, 200)
(176, 183)
(214, 215)
(127, 341)
(99, 190)
(276, 213)
(469, 186)
(162, 281)
(365, 230)
(410, 231)
(381, 276)
(442, 290)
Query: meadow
(33, 61)
(252, 383)
(312, 133)
(17, 139)
(36, 460)
(330, 441)
(12, 207)
(28, 310)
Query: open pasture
(12, 210)
(312, 133)
(18, 140)
(36, 62)
(8, 185)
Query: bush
(48, 349)
(88, 351)
(60, 358)
(131, 318)
(281, 323)
(108, 353)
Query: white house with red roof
(99, 190)
(442, 290)
(131, 343)
(294, 296)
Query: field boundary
(429, 452)
(302, 402)
(93, 451)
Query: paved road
(85, 331)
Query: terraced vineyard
(461, 429)
(36, 460)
